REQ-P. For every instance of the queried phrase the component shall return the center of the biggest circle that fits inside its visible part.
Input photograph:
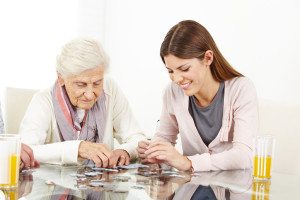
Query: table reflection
(68, 182)
(217, 185)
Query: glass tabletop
(152, 182)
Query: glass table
(76, 182)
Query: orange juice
(13, 171)
(262, 167)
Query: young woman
(211, 105)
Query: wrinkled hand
(119, 157)
(97, 152)
(166, 152)
(27, 157)
(142, 147)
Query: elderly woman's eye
(80, 84)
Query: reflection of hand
(27, 157)
(170, 184)
(161, 191)
(98, 152)
(119, 157)
(25, 185)
(166, 152)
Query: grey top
(208, 120)
(1, 122)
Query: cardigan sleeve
(168, 126)
(34, 130)
(126, 128)
(244, 106)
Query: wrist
(82, 148)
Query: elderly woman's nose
(89, 93)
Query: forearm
(238, 157)
(57, 153)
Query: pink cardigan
(233, 146)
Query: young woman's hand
(142, 147)
(166, 152)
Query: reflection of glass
(11, 194)
(264, 151)
(261, 190)
(9, 159)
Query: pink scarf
(70, 128)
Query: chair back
(16, 101)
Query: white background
(260, 38)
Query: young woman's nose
(177, 78)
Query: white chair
(16, 101)
(282, 121)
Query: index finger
(156, 143)
(26, 149)
(107, 152)
(143, 144)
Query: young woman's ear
(208, 57)
(60, 80)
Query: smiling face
(189, 74)
(84, 89)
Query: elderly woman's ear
(60, 80)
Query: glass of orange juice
(263, 157)
(10, 147)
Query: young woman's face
(189, 74)
(84, 89)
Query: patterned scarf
(70, 128)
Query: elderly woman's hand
(97, 152)
(27, 158)
(119, 157)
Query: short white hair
(79, 55)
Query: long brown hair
(189, 39)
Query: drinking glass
(10, 147)
(263, 157)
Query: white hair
(79, 55)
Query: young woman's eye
(170, 71)
(185, 69)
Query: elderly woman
(81, 114)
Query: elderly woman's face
(84, 89)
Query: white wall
(259, 37)
(31, 35)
